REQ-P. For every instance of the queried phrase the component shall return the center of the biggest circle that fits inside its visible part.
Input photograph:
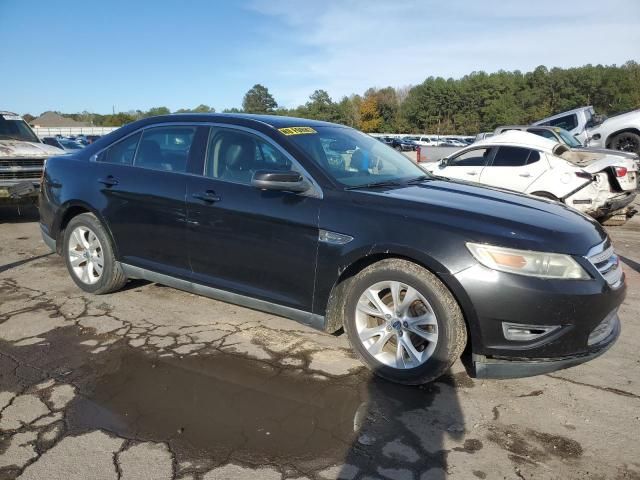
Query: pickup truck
(22, 158)
(619, 132)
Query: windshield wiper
(386, 183)
(11, 137)
(419, 179)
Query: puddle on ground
(222, 404)
(226, 407)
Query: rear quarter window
(515, 157)
(121, 152)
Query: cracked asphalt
(154, 383)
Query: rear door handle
(524, 175)
(108, 181)
(472, 173)
(209, 196)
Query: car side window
(568, 122)
(515, 157)
(234, 156)
(478, 157)
(544, 133)
(122, 152)
(165, 148)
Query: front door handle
(108, 181)
(526, 175)
(209, 196)
(472, 173)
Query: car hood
(632, 117)
(20, 149)
(491, 215)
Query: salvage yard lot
(151, 382)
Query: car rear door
(467, 165)
(514, 168)
(142, 183)
(258, 243)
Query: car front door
(142, 183)
(514, 168)
(258, 243)
(467, 165)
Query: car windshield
(568, 138)
(70, 144)
(354, 159)
(13, 127)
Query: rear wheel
(626, 141)
(89, 256)
(402, 322)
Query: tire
(399, 148)
(627, 142)
(614, 220)
(85, 245)
(446, 326)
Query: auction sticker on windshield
(11, 117)
(296, 130)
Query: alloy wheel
(396, 324)
(85, 255)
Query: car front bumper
(47, 239)
(561, 315)
(485, 367)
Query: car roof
(275, 121)
(6, 112)
(562, 114)
(519, 138)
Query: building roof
(53, 119)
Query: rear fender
(62, 218)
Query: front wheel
(89, 256)
(402, 322)
(627, 142)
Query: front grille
(607, 263)
(22, 162)
(19, 175)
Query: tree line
(474, 103)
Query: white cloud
(348, 46)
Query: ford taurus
(325, 225)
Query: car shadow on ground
(631, 263)
(407, 431)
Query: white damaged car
(599, 184)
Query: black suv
(417, 269)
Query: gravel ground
(154, 383)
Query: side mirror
(289, 181)
(596, 120)
(443, 162)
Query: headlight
(524, 262)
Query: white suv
(620, 132)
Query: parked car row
(412, 142)
(70, 143)
(601, 183)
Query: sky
(76, 55)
